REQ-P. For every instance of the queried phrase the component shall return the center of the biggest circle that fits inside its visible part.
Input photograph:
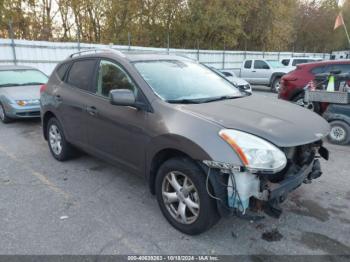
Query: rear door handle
(58, 98)
(254, 71)
(92, 110)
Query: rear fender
(274, 76)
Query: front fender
(337, 112)
(174, 142)
(213, 148)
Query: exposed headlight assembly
(256, 154)
(28, 102)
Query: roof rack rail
(95, 50)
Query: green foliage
(276, 25)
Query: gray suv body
(206, 149)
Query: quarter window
(285, 62)
(81, 73)
(111, 77)
(318, 70)
(61, 71)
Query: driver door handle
(92, 110)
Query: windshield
(22, 77)
(275, 63)
(180, 81)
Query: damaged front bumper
(240, 191)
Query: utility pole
(12, 43)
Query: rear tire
(340, 133)
(3, 117)
(183, 198)
(59, 147)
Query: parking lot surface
(85, 206)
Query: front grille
(297, 157)
(35, 113)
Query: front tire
(59, 147)
(183, 198)
(340, 133)
(3, 117)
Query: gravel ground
(85, 206)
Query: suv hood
(282, 123)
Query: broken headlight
(256, 154)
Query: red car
(293, 83)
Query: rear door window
(259, 64)
(318, 70)
(248, 64)
(81, 73)
(343, 68)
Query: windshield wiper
(32, 83)
(9, 84)
(201, 100)
(220, 98)
(184, 101)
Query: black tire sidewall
(208, 214)
(6, 118)
(65, 152)
(346, 128)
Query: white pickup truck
(263, 72)
(292, 62)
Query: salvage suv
(206, 149)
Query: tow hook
(316, 170)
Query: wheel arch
(45, 119)
(338, 117)
(276, 75)
(159, 158)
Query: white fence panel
(45, 55)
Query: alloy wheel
(181, 197)
(277, 86)
(55, 139)
(337, 133)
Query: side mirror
(122, 97)
(266, 67)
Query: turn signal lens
(234, 145)
(21, 102)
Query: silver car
(20, 92)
